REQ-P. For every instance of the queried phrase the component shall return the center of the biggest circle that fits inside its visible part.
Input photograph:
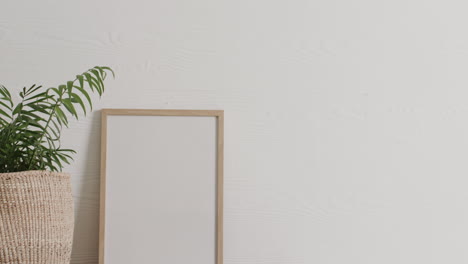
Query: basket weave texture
(36, 218)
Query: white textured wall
(346, 121)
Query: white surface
(346, 121)
(161, 190)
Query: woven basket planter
(36, 218)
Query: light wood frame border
(219, 114)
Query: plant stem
(52, 112)
(10, 129)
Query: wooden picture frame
(219, 145)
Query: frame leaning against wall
(218, 114)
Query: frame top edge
(160, 112)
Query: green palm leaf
(30, 130)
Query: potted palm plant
(36, 206)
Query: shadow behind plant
(30, 130)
